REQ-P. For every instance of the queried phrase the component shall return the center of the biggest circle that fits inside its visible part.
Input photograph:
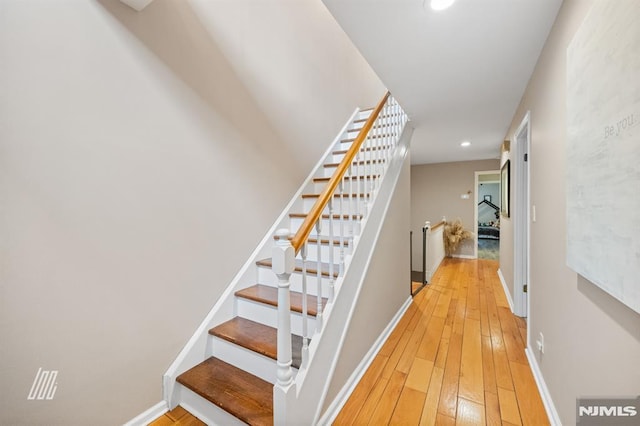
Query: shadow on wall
(176, 36)
(616, 310)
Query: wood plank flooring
(177, 416)
(456, 357)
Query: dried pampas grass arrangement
(454, 234)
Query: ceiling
(458, 73)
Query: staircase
(261, 337)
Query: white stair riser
(245, 359)
(357, 170)
(268, 315)
(355, 129)
(349, 204)
(362, 114)
(209, 413)
(345, 144)
(375, 154)
(296, 222)
(358, 186)
(349, 229)
(267, 277)
(325, 250)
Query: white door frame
(475, 206)
(522, 229)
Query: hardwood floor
(415, 286)
(455, 358)
(177, 416)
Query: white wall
(592, 341)
(142, 157)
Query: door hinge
(524, 288)
(526, 157)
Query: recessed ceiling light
(465, 144)
(441, 4)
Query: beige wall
(592, 341)
(435, 192)
(142, 158)
(386, 286)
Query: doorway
(522, 162)
(487, 215)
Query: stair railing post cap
(283, 254)
(282, 234)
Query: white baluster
(367, 168)
(396, 118)
(361, 164)
(283, 264)
(331, 234)
(379, 142)
(372, 153)
(356, 200)
(399, 126)
(398, 123)
(305, 315)
(350, 205)
(374, 156)
(385, 140)
(319, 276)
(341, 189)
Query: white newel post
(283, 265)
(427, 267)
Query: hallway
(456, 357)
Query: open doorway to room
(487, 215)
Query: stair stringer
(312, 382)
(196, 349)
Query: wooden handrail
(316, 211)
(437, 225)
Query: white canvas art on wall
(603, 150)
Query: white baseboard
(148, 416)
(506, 290)
(336, 405)
(549, 407)
(463, 256)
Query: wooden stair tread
(370, 148)
(327, 165)
(325, 241)
(336, 195)
(376, 126)
(326, 216)
(370, 137)
(256, 337)
(242, 394)
(362, 120)
(326, 179)
(312, 267)
(269, 296)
